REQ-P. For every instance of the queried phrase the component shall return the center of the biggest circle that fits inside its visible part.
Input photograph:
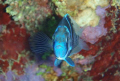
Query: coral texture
(106, 65)
(29, 76)
(78, 9)
(13, 49)
(100, 63)
(29, 13)
(92, 34)
(4, 17)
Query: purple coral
(92, 34)
(30, 75)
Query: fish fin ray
(69, 61)
(75, 50)
(76, 27)
(57, 62)
(40, 43)
(83, 45)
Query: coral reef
(14, 48)
(106, 65)
(89, 19)
(29, 13)
(100, 63)
(29, 76)
(4, 17)
(13, 45)
(116, 3)
(78, 9)
(92, 34)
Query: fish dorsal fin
(66, 22)
(76, 27)
(57, 62)
(70, 23)
(81, 45)
(69, 61)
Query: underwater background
(21, 19)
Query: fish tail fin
(69, 61)
(57, 62)
(40, 43)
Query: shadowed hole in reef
(49, 26)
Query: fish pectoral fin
(57, 62)
(40, 43)
(69, 61)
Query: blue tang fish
(65, 42)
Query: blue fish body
(60, 43)
(66, 41)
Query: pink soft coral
(92, 34)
